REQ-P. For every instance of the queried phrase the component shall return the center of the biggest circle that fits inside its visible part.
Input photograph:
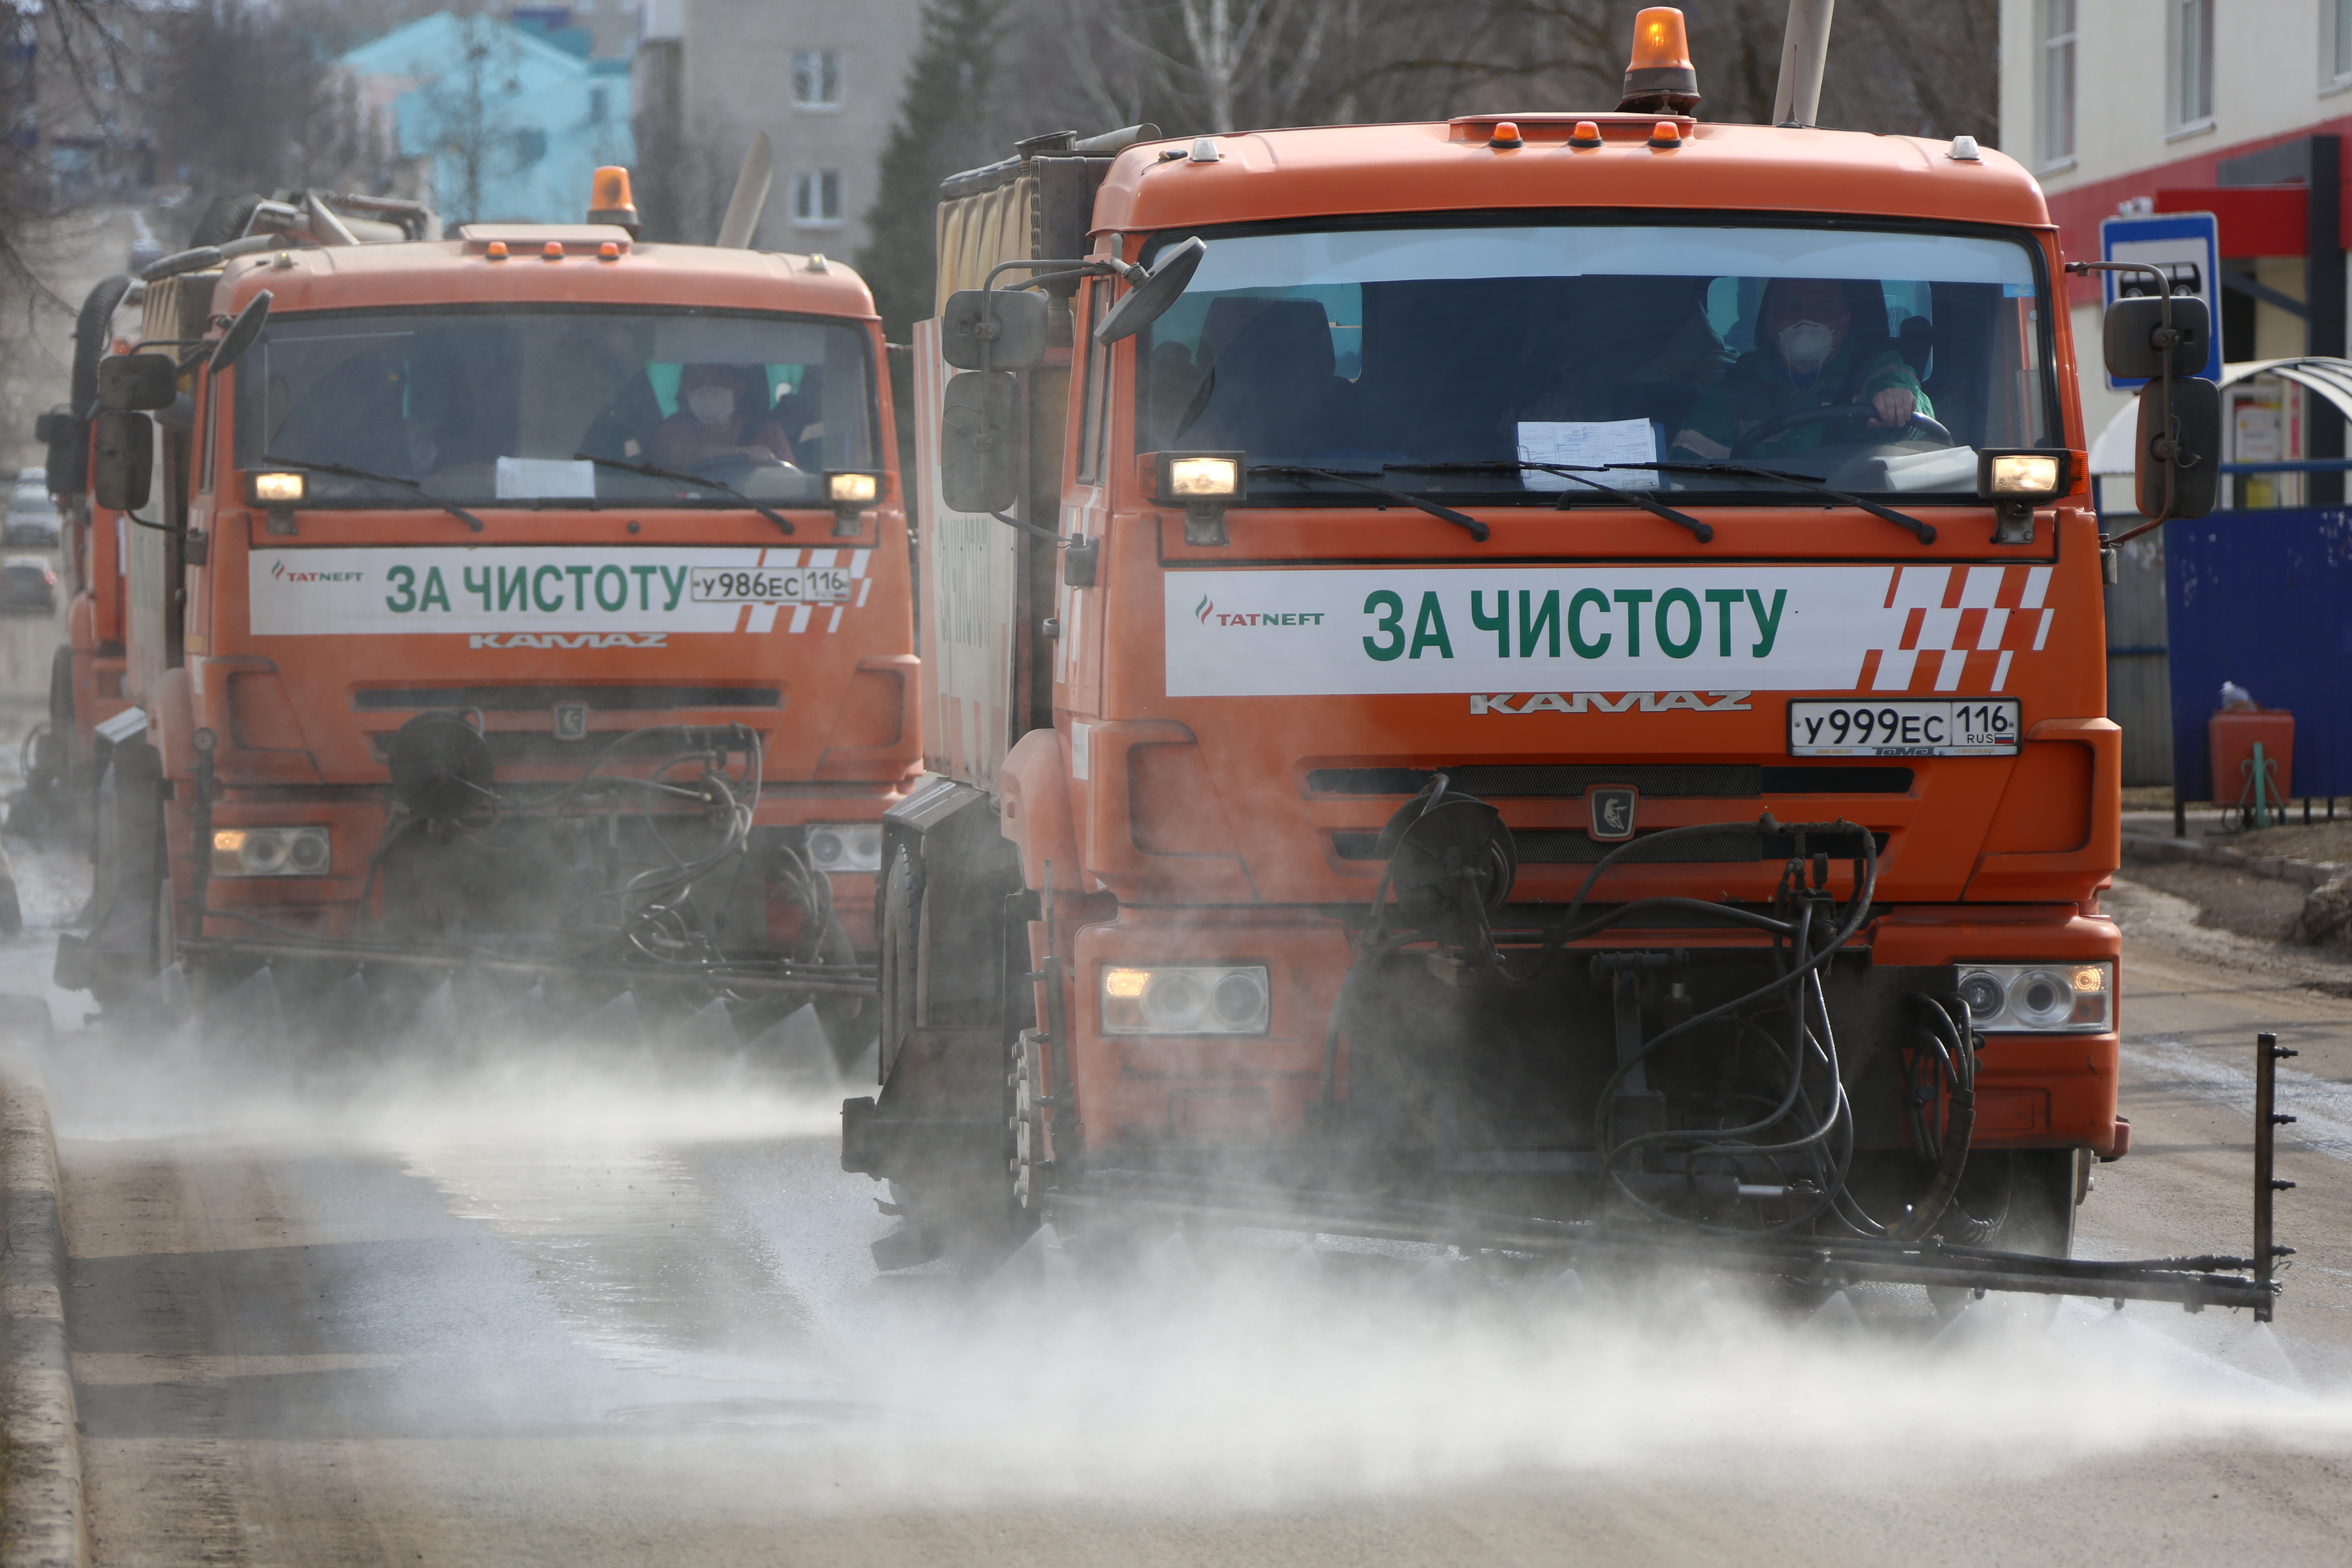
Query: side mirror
(994, 328)
(2132, 354)
(54, 427)
(241, 334)
(2193, 454)
(1160, 288)
(144, 382)
(979, 442)
(124, 473)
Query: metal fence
(2262, 599)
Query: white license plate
(766, 586)
(1981, 727)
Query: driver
(722, 412)
(1803, 361)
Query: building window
(816, 79)
(816, 198)
(2057, 81)
(2192, 64)
(2336, 55)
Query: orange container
(2232, 738)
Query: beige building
(823, 77)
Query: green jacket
(1756, 389)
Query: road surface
(570, 1304)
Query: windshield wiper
(681, 476)
(1704, 532)
(1405, 498)
(344, 470)
(1925, 530)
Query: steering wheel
(1747, 443)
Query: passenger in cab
(724, 415)
(1808, 356)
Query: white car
(32, 516)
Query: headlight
(845, 846)
(1186, 477)
(2072, 998)
(845, 487)
(1187, 999)
(276, 489)
(2027, 476)
(271, 852)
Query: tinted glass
(481, 407)
(1876, 360)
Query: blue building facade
(504, 122)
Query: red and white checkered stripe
(1962, 628)
(762, 617)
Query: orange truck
(1533, 678)
(532, 601)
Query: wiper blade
(681, 476)
(1925, 530)
(344, 470)
(1704, 532)
(1405, 498)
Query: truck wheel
(851, 1024)
(2027, 1200)
(899, 926)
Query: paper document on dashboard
(1589, 445)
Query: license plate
(762, 585)
(1983, 727)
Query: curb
(2283, 867)
(41, 1516)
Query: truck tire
(224, 219)
(851, 1024)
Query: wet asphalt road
(583, 1306)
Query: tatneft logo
(1205, 612)
(277, 569)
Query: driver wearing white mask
(721, 415)
(1802, 362)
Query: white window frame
(2187, 70)
(2057, 78)
(810, 188)
(823, 57)
(2335, 35)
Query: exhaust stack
(1804, 58)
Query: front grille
(1661, 780)
(538, 699)
(540, 748)
(1566, 847)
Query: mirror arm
(1045, 533)
(988, 296)
(2166, 338)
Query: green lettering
(1768, 628)
(645, 587)
(1723, 599)
(676, 585)
(620, 600)
(404, 578)
(580, 585)
(1585, 598)
(513, 589)
(1689, 645)
(436, 591)
(1388, 612)
(1547, 618)
(547, 606)
(1633, 599)
(1501, 624)
(482, 587)
(1429, 629)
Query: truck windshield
(1874, 360)
(485, 406)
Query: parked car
(32, 515)
(28, 586)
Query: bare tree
(463, 122)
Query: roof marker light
(1204, 149)
(1586, 136)
(1964, 150)
(495, 250)
(1666, 135)
(552, 251)
(1505, 136)
(608, 251)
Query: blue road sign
(2188, 246)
